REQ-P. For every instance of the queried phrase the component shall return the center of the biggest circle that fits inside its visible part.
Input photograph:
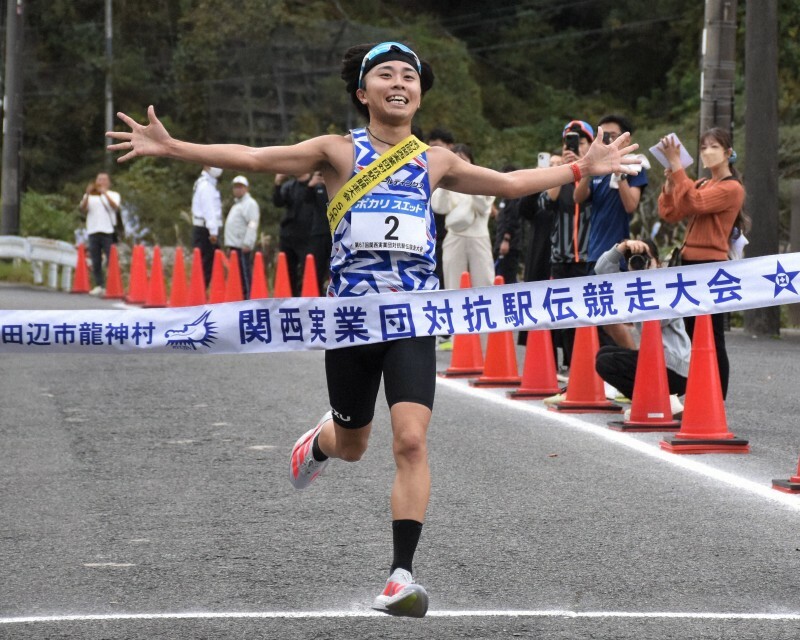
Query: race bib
(388, 223)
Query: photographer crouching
(617, 364)
(100, 205)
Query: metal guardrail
(40, 252)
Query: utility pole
(109, 89)
(12, 119)
(761, 146)
(718, 65)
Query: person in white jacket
(206, 217)
(241, 230)
(467, 246)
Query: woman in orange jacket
(714, 208)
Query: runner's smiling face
(392, 92)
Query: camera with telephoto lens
(637, 261)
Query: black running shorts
(408, 367)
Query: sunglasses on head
(386, 47)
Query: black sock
(316, 451)
(405, 534)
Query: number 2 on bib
(393, 222)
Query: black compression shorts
(354, 374)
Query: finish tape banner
(302, 324)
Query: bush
(51, 216)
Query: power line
(574, 34)
(512, 13)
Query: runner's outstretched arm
(599, 160)
(153, 139)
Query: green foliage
(159, 194)
(11, 272)
(258, 72)
(788, 60)
(54, 216)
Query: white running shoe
(559, 397)
(675, 405)
(610, 391)
(303, 469)
(97, 291)
(402, 596)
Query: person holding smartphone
(569, 237)
(101, 206)
(614, 198)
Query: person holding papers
(383, 242)
(713, 207)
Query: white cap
(240, 180)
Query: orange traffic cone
(467, 358)
(217, 288)
(80, 283)
(233, 288)
(258, 288)
(156, 292)
(539, 371)
(650, 407)
(500, 368)
(792, 485)
(310, 283)
(114, 277)
(704, 428)
(283, 288)
(197, 283)
(137, 284)
(585, 390)
(178, 296)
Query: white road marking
(107, 565)
(263, 447)
(620, 438)
(368, 613)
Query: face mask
(215, 172)
(712, 157)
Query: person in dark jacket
(302, 205)
(570, 234)
(320, 240)
(508, 237)
(537, 225)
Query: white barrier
(40, 252)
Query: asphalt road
(135, 488)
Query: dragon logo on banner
(201, 331)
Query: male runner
(386, 83)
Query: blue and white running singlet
(386, 241)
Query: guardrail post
(36, 267)
(66, 278)
(52, 275)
